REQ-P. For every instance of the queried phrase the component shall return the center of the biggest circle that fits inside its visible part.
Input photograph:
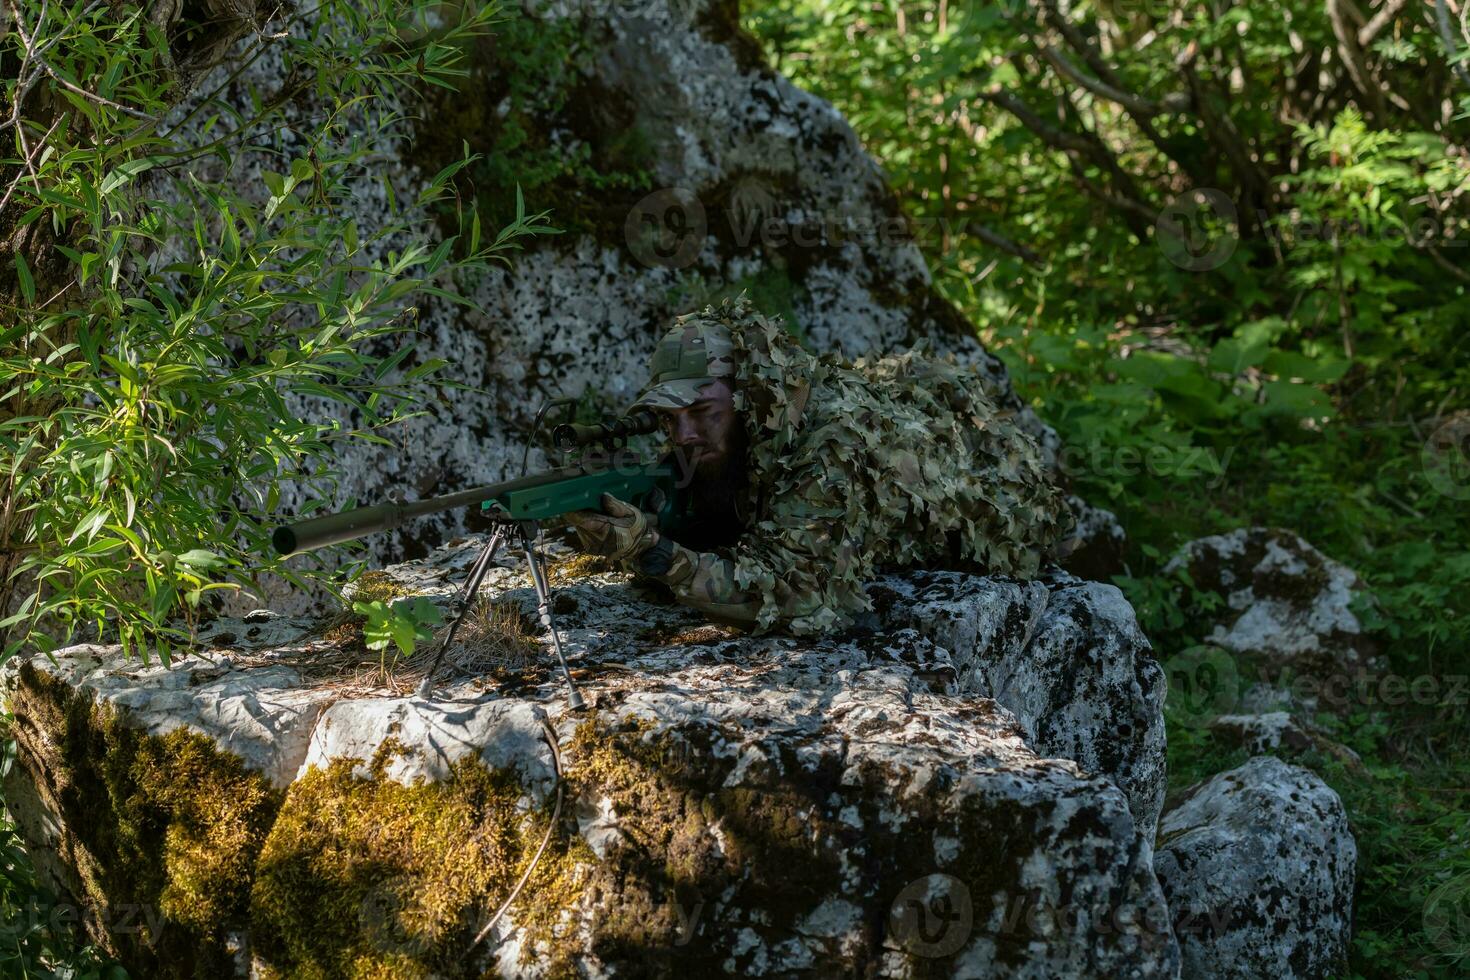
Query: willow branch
(997, 240)
(1380, 20)
(1338, 14)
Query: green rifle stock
(654, 487)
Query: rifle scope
(612, 430)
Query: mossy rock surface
(159, 833)
(727, 806)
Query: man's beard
(715, 486)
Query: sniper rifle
(591, 461)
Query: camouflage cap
(695, 351)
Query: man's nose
(685, 431)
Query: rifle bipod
(526, 531)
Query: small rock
(1258, 864)
(1287, 605)
(1281, 733)
(1095, 550)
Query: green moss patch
(167, 824)
(367, 877)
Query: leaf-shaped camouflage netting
(890, 462)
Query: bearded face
(709, 443)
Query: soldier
(811, 474)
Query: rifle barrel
(319, 532)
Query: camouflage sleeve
(701, 579)
(798, 569)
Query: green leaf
(123, 173)
(27, 284)
(1233, 355)
(1288, 365)
(201, 558)
(1302, 401)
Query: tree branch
(1351, 52)
(1049, 134)
(1380, 20)
(1221, 131)
(1442, 19)
(997, 240)
(1137, 105)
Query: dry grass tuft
(377, 586)
(496, 636)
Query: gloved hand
(621, 532)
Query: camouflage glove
(621, 532)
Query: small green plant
(404, 623)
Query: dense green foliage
(1236, 281)
(1221, 246)
(175, 296)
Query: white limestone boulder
(1259, 864)
(1288, 607)
(1065, 656)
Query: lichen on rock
(1287, 607)
(1259, 865)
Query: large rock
(728, 805)
(1065, 656)
(1259, 865)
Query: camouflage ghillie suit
(901, 461)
